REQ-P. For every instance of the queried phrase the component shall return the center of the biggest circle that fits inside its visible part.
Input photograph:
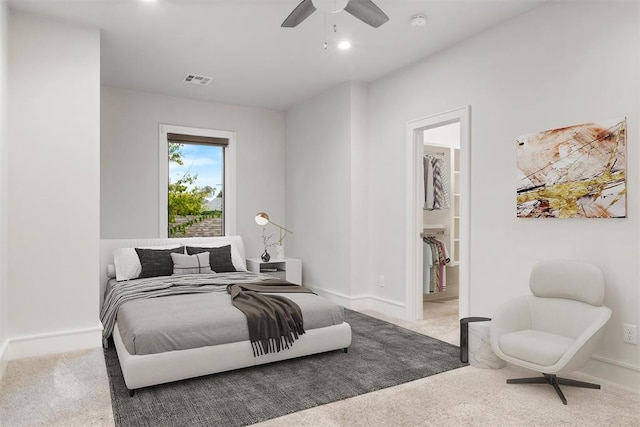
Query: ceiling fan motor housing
(330, 6)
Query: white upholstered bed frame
(151, 369)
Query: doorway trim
(414, 153)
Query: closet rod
(435, 153)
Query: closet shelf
(434, 227)
(431, 230)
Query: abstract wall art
(573, 172)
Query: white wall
(327, 193)
(129, 160)
(318, 203)
(560, 64)
(53, 199)
(359, 191)
(4, 187)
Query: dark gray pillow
(219, 258)
(157, 262)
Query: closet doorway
(441, 213)
(438, 147)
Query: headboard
(108, 246)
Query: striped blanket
(152, 287)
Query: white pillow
(128, 264)
(111, 271)
(191, 264)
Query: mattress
(181, 322)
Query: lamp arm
(281, 227)
(283, 232)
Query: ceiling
(253, 61)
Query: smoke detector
(418, 21)
(197, 80)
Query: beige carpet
(440, 320)
(474, 397)
(72, 390)
(68, 389)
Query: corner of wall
(4, 359)
(359, 191)
(4, 304)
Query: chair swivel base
(551, 379)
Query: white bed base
(152, 369)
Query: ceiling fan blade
(299, 14)
(367, 12)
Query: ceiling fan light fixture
(330, 6)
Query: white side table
(289, 269)
(480, 353)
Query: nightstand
(289, 269)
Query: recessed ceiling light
(344, 45)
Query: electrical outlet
(630, 333)
(381, 281)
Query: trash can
(464, 336)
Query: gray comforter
(181, 312)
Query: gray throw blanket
(275, 322)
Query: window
(196, 182)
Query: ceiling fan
(364, 10)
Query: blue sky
(205, 160)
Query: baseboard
(338, 298)
(365, 302)
(57, 342)
(613, 373)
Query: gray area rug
(381, 355)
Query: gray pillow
(157, 262)
(191, 264)
(219, 258)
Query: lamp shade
(262, 218)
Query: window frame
(229, 188)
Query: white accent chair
(555, 330)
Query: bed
(170, 337)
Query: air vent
(197, 80)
